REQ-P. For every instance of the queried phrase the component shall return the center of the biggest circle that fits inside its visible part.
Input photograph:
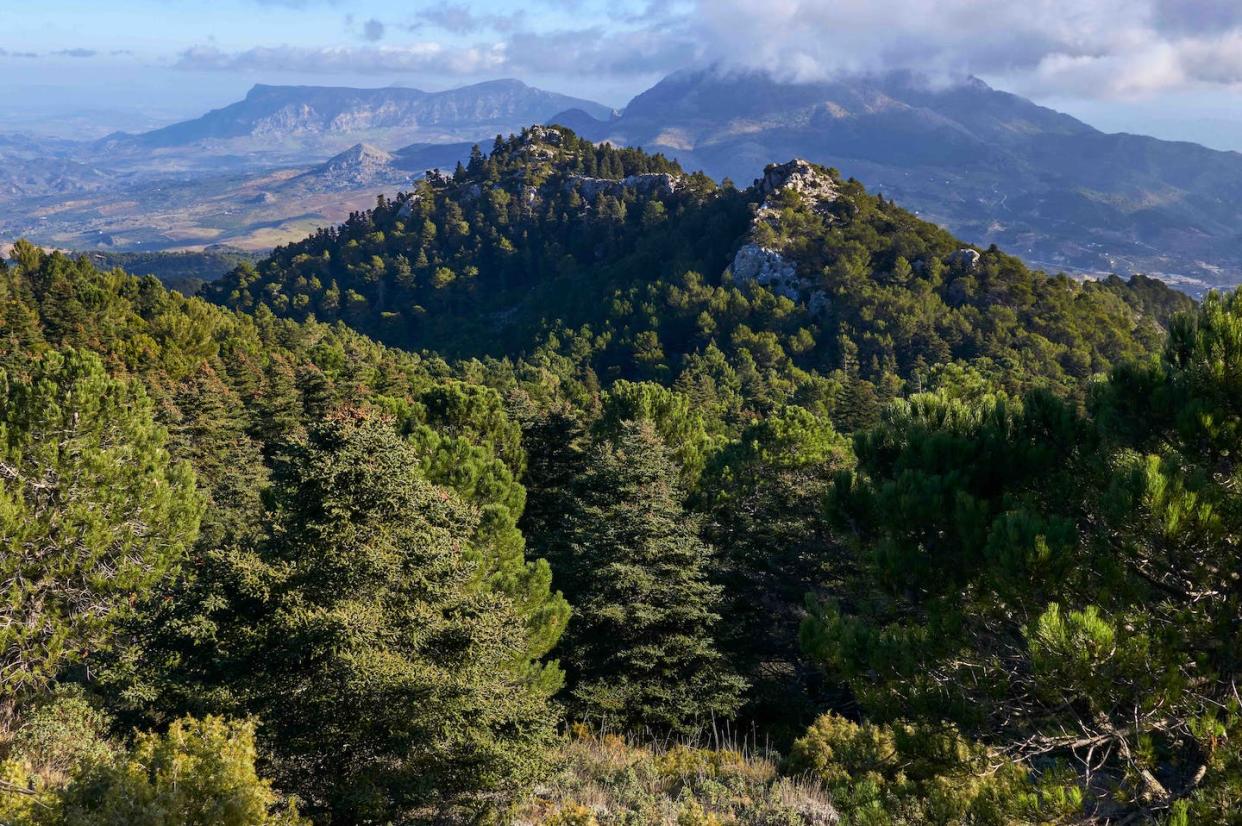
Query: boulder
(967, 258)
(800, 176)
(767, 267)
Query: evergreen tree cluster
(960, 544)
(526, 249)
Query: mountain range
(291, 120)
(990, 166)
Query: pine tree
(93, 513)
(641, 648)
(475, 165)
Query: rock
(769, 268)
(818, 302)
(647, 183)
(407, 206)
(542, 134)
(968, 258)
(766, 266)
(800, 176)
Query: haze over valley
(990, 166)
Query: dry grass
(608, 779)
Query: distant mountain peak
(270, 115)
(359, 156)
(360, 165)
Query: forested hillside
(662, 502)
(620, 260)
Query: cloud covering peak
(1099, 48)
(1069, 48)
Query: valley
(786, 448)
(989, 166)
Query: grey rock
(819, 302)
(649, 183)
(767, 267)
(967, 258)
(801, 177)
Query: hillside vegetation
(698, 506)
(623, 262)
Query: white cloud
(427, 57)
(460, 18)
(1070, 48)
(1095, 48)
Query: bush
(923, 774)
(62, 735)
(200, 773)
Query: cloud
(459, 18)
(75, 53)
(429, 57)
(1099, 49)
(373, 30)
(1102, 48)
(598, 53)
(588, 52)
(7, 53)
(296, 4)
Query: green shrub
(62, 735)
(923, 774)
(199, 773)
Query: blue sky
(1172, 68)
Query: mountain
(754, 455)
(990, 166)
(361, 165)
(253, 210)
(271, 114)
(619, 254)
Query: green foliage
(670, 414)
(911, 774)
(763, 496)
(632, 282)
(198, 773)
(1060, 583)
(231, 390)
(61, 734)
(640, 650)
(387, 683)
(1019, 579)
(185, 272)
(92, 513)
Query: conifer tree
(384, 679)
(763, 497)
(93, 513)
(641, 649)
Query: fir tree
(641, 649)
(385, 680)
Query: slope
(275, 113)
(621, 260)
(990, 166)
